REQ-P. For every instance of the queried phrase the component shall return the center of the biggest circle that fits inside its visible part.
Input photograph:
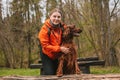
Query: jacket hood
(47, 23)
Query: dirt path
(67, 77)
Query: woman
(51, 43)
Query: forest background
(21, 20)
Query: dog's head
(71, 31)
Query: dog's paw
(59, 75)
(78, 72)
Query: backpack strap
(62, 27)
(49, 31)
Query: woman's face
(55, 18)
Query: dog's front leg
(77, 69)
(60, 67)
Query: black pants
(49, 65)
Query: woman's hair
(55, 10)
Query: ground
(65, 77)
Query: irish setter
(68, 62)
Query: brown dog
(68, 62)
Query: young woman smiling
(51, 47)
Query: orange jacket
(50, 44)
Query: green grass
(18, 72)
(35, 72)
(105, 70)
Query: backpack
(49, 32)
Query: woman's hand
(64, 49)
